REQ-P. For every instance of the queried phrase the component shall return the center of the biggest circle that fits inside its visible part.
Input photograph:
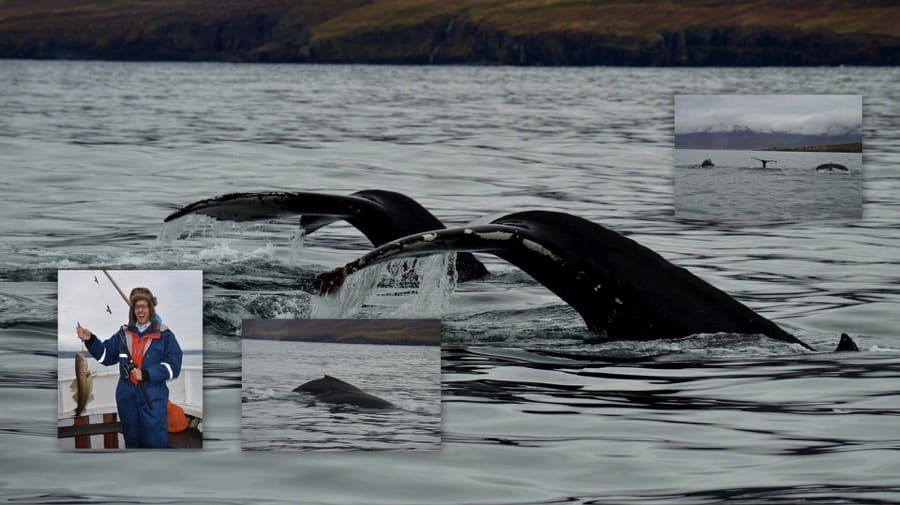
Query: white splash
(426, 284)
(350, 299)
(437, 278)
(297, 243)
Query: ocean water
(94, 155)
(274, 418)
(739, 191)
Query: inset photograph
(341, 384)
(130, 367)
(761, 159)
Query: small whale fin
(380, 215)
(832, 166)
(846, 344)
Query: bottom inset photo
(341, 384)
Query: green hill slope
(521, 32)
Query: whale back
(333, 390)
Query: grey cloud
(804, 114)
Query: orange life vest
(139, 345)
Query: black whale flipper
(620, 288)
(381, 216)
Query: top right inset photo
(763, 159)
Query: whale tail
(620, 288)
(380, 215)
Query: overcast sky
(179, 294)
(804, 114)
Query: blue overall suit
(143, 426)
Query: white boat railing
(186, 390)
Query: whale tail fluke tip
(846, 344)
(331, 282)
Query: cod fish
(82, 385)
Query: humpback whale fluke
(620, 288)
(832, 166)
(764, 162)
(333, 390)
(380, 215)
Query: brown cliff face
(511, 32)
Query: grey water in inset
(276, 418)
(738, 190)
(94, 155)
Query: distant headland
(854, 147)
(345, 331)
(490, 32)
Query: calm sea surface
(737, 190)
(95, 155)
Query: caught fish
(82, 385)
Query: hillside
(517, 32)
(346, 331)
(747, 139)
(851, 147)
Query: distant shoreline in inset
(346, 331)
(853, 147)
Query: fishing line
(103, 296)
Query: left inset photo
(130, 367)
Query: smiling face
(141, 311)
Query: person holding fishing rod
(148, 355)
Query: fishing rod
(121, 293)
(129, 364)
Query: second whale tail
(380, 215)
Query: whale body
(333, 390)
